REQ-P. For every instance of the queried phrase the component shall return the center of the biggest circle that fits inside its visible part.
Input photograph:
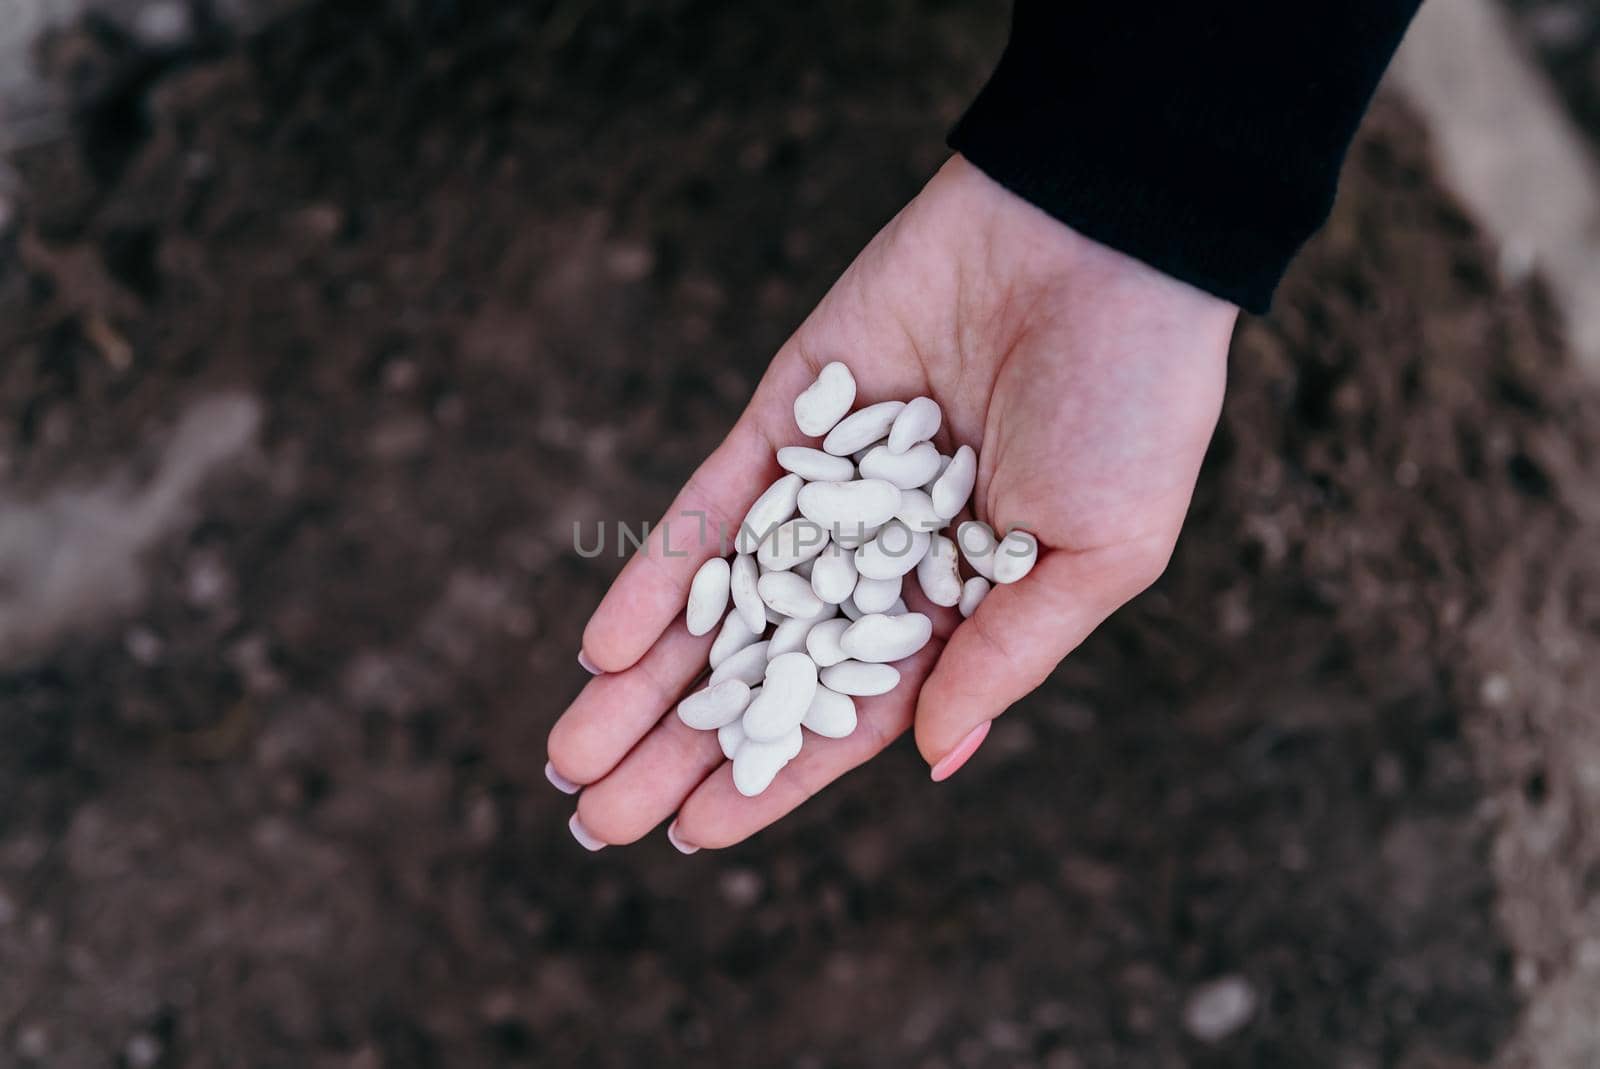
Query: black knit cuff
(1204, 140)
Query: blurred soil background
(320, 330)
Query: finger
(654, 585)
(717, 815)
(616, 710)
(1019, 634)
(650, 783)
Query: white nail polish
(677, 843)
(560, 782)
(584, 836)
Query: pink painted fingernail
(588, 665)
(681, 846)
(560, 782)
(950, 762)
(584, 836)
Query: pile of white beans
(873, 503)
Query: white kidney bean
(749, 665)
(775, 505)
(862, 428)
(893, 552)
(730, 735)
(757, 764)
(973, 591)
(822, 642)
(1015, 557)
(916, 511)
(789, 637)
(978, 543)
(860, 679)
(831, 715)
(876, 595)
(721, 704)
(907, 470)
(734, 636)
(791, 543)
(938, 573)
(825, 401)
(708, 596)
(786, 693)
(815, 466)
(849, 506)
(879, 639)
(833, 575)
(746, 600)
(917, 422)
(788, 594)
(952, 489)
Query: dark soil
(494, 269)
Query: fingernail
(672, 837)
(561, 783)
(588, 665)
(584, 836)
(950, 762)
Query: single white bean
(775, 505)
(916, 511)
(789, 594)
(973, 591)
(746, 600)
(862, 428)
(789, 637)
(734, 636)
(730, 735)
(709, 709)
(850, 505)
(952, 489)
(822, 642)
(708, 596)
(893, 552)
(833, 575)
(907, 470)
(791, 683)
(748, 665)
(879, 639)
(792, 542)
(876, 595)
(832, 715)
(815, 466)
(917, 422)
(938, 573)
(860, 679)
(1015, 557)
(977, 542)
(757, 764)
(825, 401)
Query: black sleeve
(1203, 138)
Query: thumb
(1019, 634)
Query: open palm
(1088, 383)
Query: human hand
(1088, 382)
